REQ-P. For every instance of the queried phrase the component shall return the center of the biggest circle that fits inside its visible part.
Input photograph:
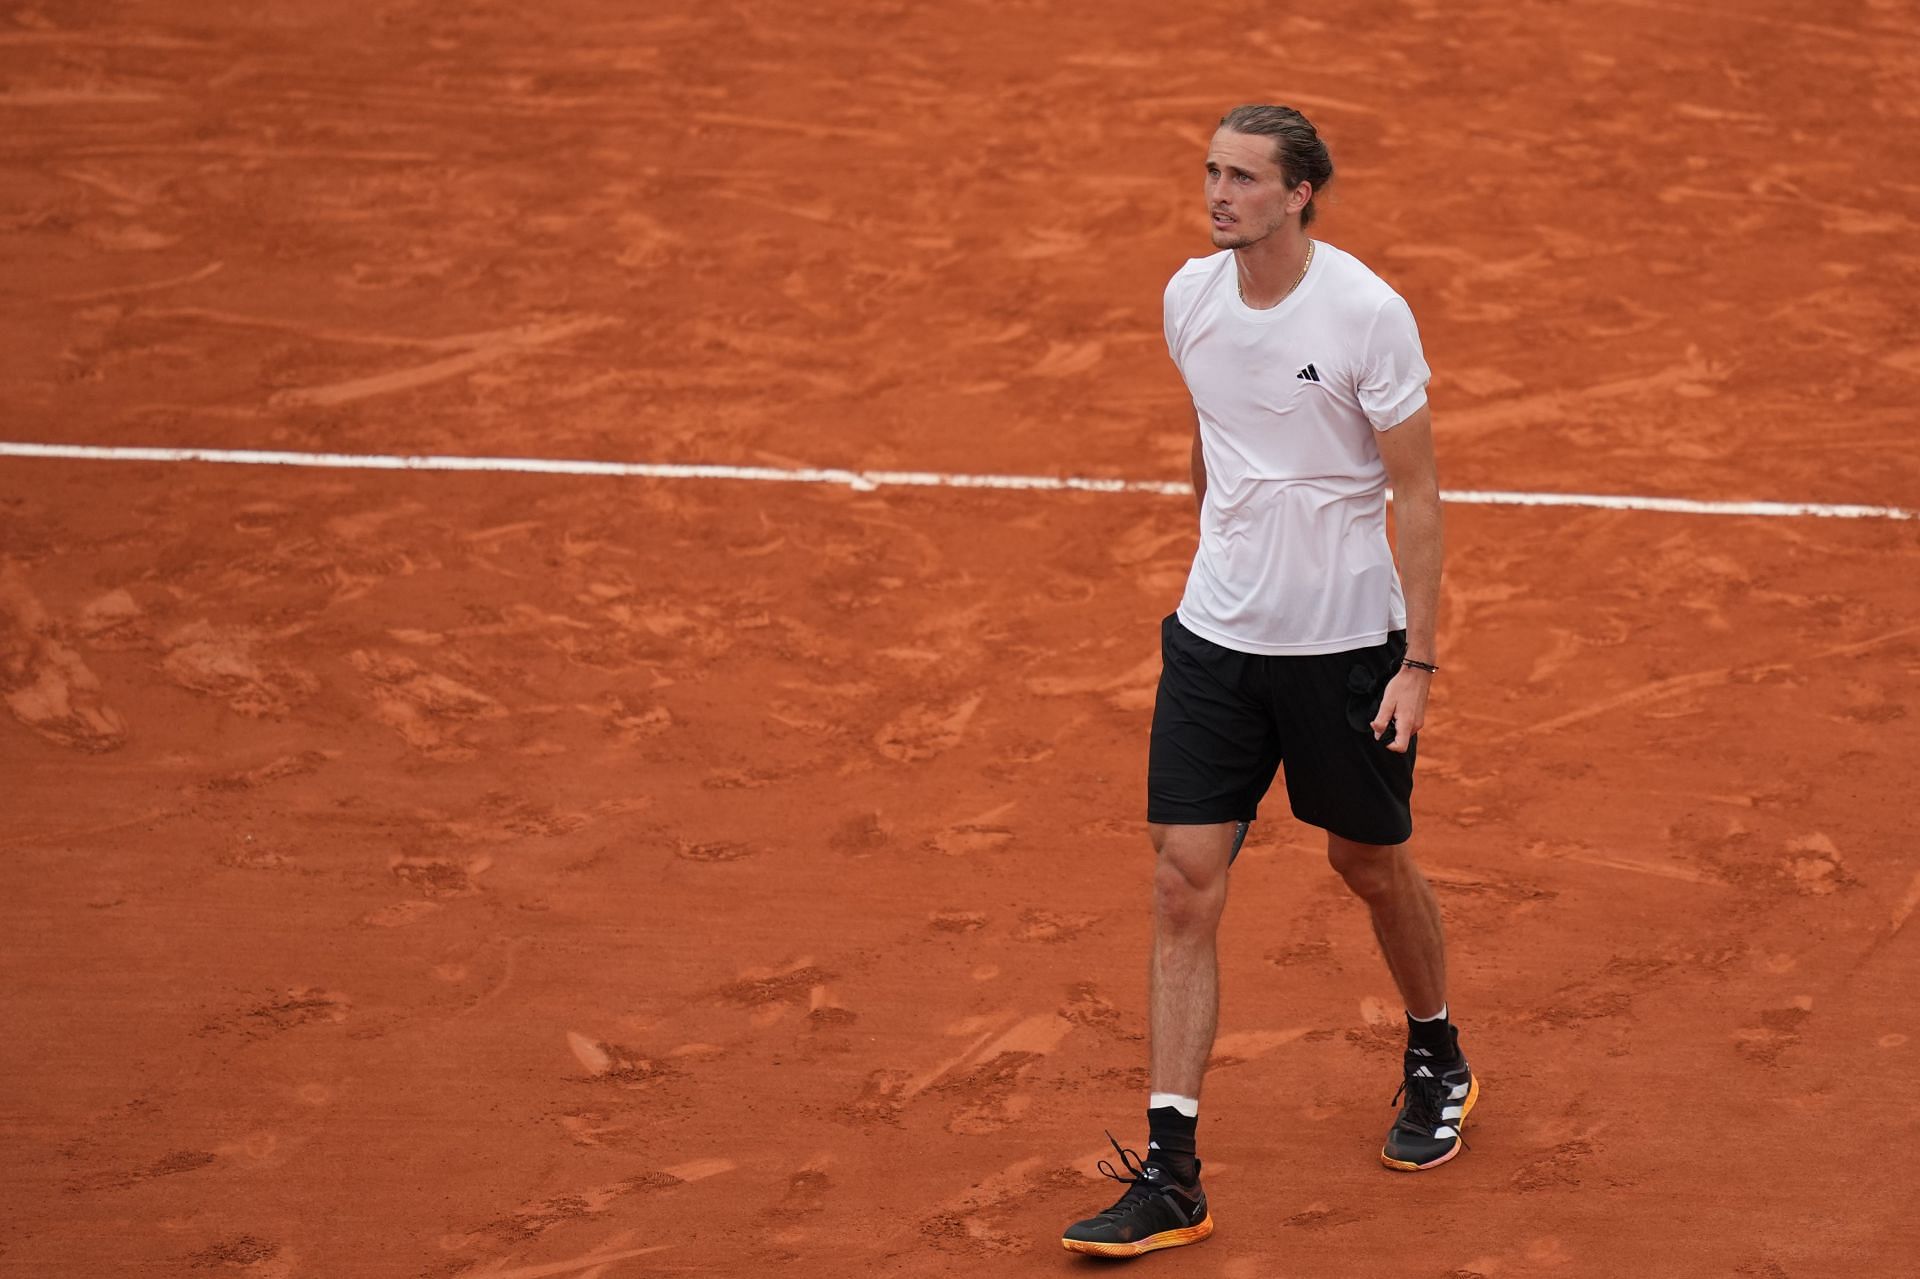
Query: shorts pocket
(1364, 690)
(1367, 681)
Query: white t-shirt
(1293, 554)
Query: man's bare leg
(1439, 1087)
(1164, 1206)
(1189, 896)
(1406, 918)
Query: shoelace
(1135, 1177)
(1425, 1099)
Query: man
(1296, 645)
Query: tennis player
(1298, 644)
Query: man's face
(1247, 196)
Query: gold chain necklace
(1241, 284)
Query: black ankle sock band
(1170, 1142)
(1433, 1038)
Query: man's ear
(1298, 197)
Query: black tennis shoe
(1155, 1212)
(1439, 1096)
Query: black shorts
(1224, 721)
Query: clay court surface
(508, 876)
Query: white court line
(867, 481)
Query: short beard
(1239, 238)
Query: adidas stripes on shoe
(1439, 1095)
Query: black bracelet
(1428, 667)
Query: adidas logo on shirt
(1308, 374)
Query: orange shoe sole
(1152, 1243)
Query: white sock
(1439, 1016)
(1188, 1106)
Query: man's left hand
(1403, 705)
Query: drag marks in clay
(276, 1014)
(883, 1097)
(988, 1218)
(303, 764)
(632, 722)
(248, 853)
(169, 1165)
(1322, 1216)
(504, 818)
(593, 1265)
(222, 663)
(46, 684)
(1778, 1031)
(712, 851)
(531, 1220)
(1131, 690)
(52, 690)
(436, 879)
(621, 1106)
(239, 1252)
(1729, 849)
(860, 835)
(981, 1082)
(1540, 1255)
(1903, 909)
(1053, 927)
(615, 1063)
(113, 622)
(1559, 1168)
(619, 1200)
(983, 833)
(485, 349)
(401, 914)
(987, 1093)
(793, 985)
(957, 921)
(806, 1196)
(1085, 1006)
(1814, 866)
(417, 703)
(921, 732)
(1250, 1045)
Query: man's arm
(1407, 449)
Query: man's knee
(1190, 876)
(1371, 871)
